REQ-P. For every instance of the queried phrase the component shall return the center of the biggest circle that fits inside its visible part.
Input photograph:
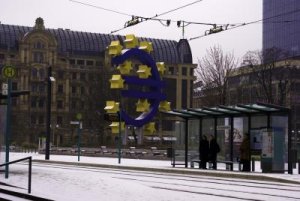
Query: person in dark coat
(245, 153)
(214, 149)
(203, 152)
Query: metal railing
(29, 169)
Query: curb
(214, 173)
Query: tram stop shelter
(268, 126)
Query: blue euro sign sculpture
(154, 82)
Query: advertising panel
(237, 131)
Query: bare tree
(268, 77)
(213, 71)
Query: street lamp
(48, 113)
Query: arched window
(38, 57)
(39, 45)
(34, 72)
(42, 73)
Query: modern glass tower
(281, 27)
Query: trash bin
(170, 152)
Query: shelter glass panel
(179, 145)
(279, 126)
(193, 139)
(258, 122)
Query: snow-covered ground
(66, 182)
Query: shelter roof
(230, 111)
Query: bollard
(253, 164)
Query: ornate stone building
(81, 68)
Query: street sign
(74, 122)
(9, 72)
(79, 116)
(5, 92)
(4, 89)
(4, 86)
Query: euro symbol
(154, 82)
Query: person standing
(214, 149)
(204, 147)
(245, 153)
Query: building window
(60, 89)
(82, 105)
(99, 63)
(74, 89)
(74, 76)
(72, 61)
(41, 103)
(82, 90)
(42, 87)
(41, 119)
(184, 96)
(91, 77)
(34, 72)
(38, 57)
(89, 63)
(59, 120)
(80, 62)
(184, 71)
(2, 56)
(33, 102)
(39, 45)
(14, 86)
(171, 70)
(60, 75)
(59, 104)
(73, 105)
(33, 119)
(42, 73)
(82, 76)
(33, 87)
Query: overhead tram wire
(233, 26)
(154, 18)
(252, 22)
(102, 8)
(157, 15)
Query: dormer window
(38, 45)
(38, 57)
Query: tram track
(170, 182)
(212, 188)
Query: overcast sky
(70, 15)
